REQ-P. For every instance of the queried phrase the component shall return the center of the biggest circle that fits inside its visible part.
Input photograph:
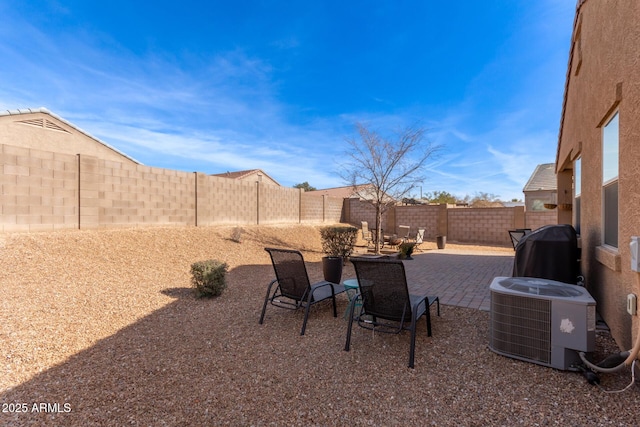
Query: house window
(577, 191)
(610, 150)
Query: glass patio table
(351, 289)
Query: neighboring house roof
(363, 191)
(243, 175)
(340, 192)
(512, 204)
(543, 178)
(53, 126)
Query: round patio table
(351, 289)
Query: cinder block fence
(49, 191)
(45, 191)
(459, 224)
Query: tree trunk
(379, 237)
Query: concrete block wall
(333, 209)
(129, 195)
(226, 201)
(39, 190)
(45, 191)
(480, 225)
(278, 204)
(315, 208)
(422, 216)
(364, 211)
(464, 225)
(535, 220)
(311, 207)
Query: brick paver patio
(459, 278)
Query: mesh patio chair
(518, 234)
(367, 235)
(395, 240)
(293, 289)
(403, 232)
(419, 239)
(386, 304)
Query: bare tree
(383, 170)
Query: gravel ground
(101, 328)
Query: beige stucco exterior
(603, 77)
(251, 175)
(39, 129)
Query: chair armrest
(322, 290)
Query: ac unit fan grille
(521, 326)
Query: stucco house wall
(603, 78)
(40, 129)
(541, 188)
(251, 175)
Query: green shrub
(208, 277)
(406, 249)
(338, 240)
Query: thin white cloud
(147, 106)
(225, 109)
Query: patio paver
(459, 278)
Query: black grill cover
(550, 252)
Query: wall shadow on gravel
(201, 362)
(176, 364)
(198, 361)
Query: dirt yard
(101, 328)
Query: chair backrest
(420, 236)
(403, 231)
(366, 234)
(517, 234)
(291, 272)
(383, 287)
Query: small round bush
(208, 277)
(338, 240)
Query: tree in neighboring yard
(441, 197)
(383, 170)
(305, 186)
(483, 200)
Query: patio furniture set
(393, 240)
(382, 302)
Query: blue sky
(279, 85)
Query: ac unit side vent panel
(521, 327)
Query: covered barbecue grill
(550, 252)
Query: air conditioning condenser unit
(541, 321)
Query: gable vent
(53, 126)
(43, 123)
(33, 122)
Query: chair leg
(306, 313)
(333, 297)
(428, 316)
(266, 300)
(352, 305)
(412, 349)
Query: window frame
(577, 192)
(610, 175)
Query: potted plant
(337, 244)
(406, 249)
